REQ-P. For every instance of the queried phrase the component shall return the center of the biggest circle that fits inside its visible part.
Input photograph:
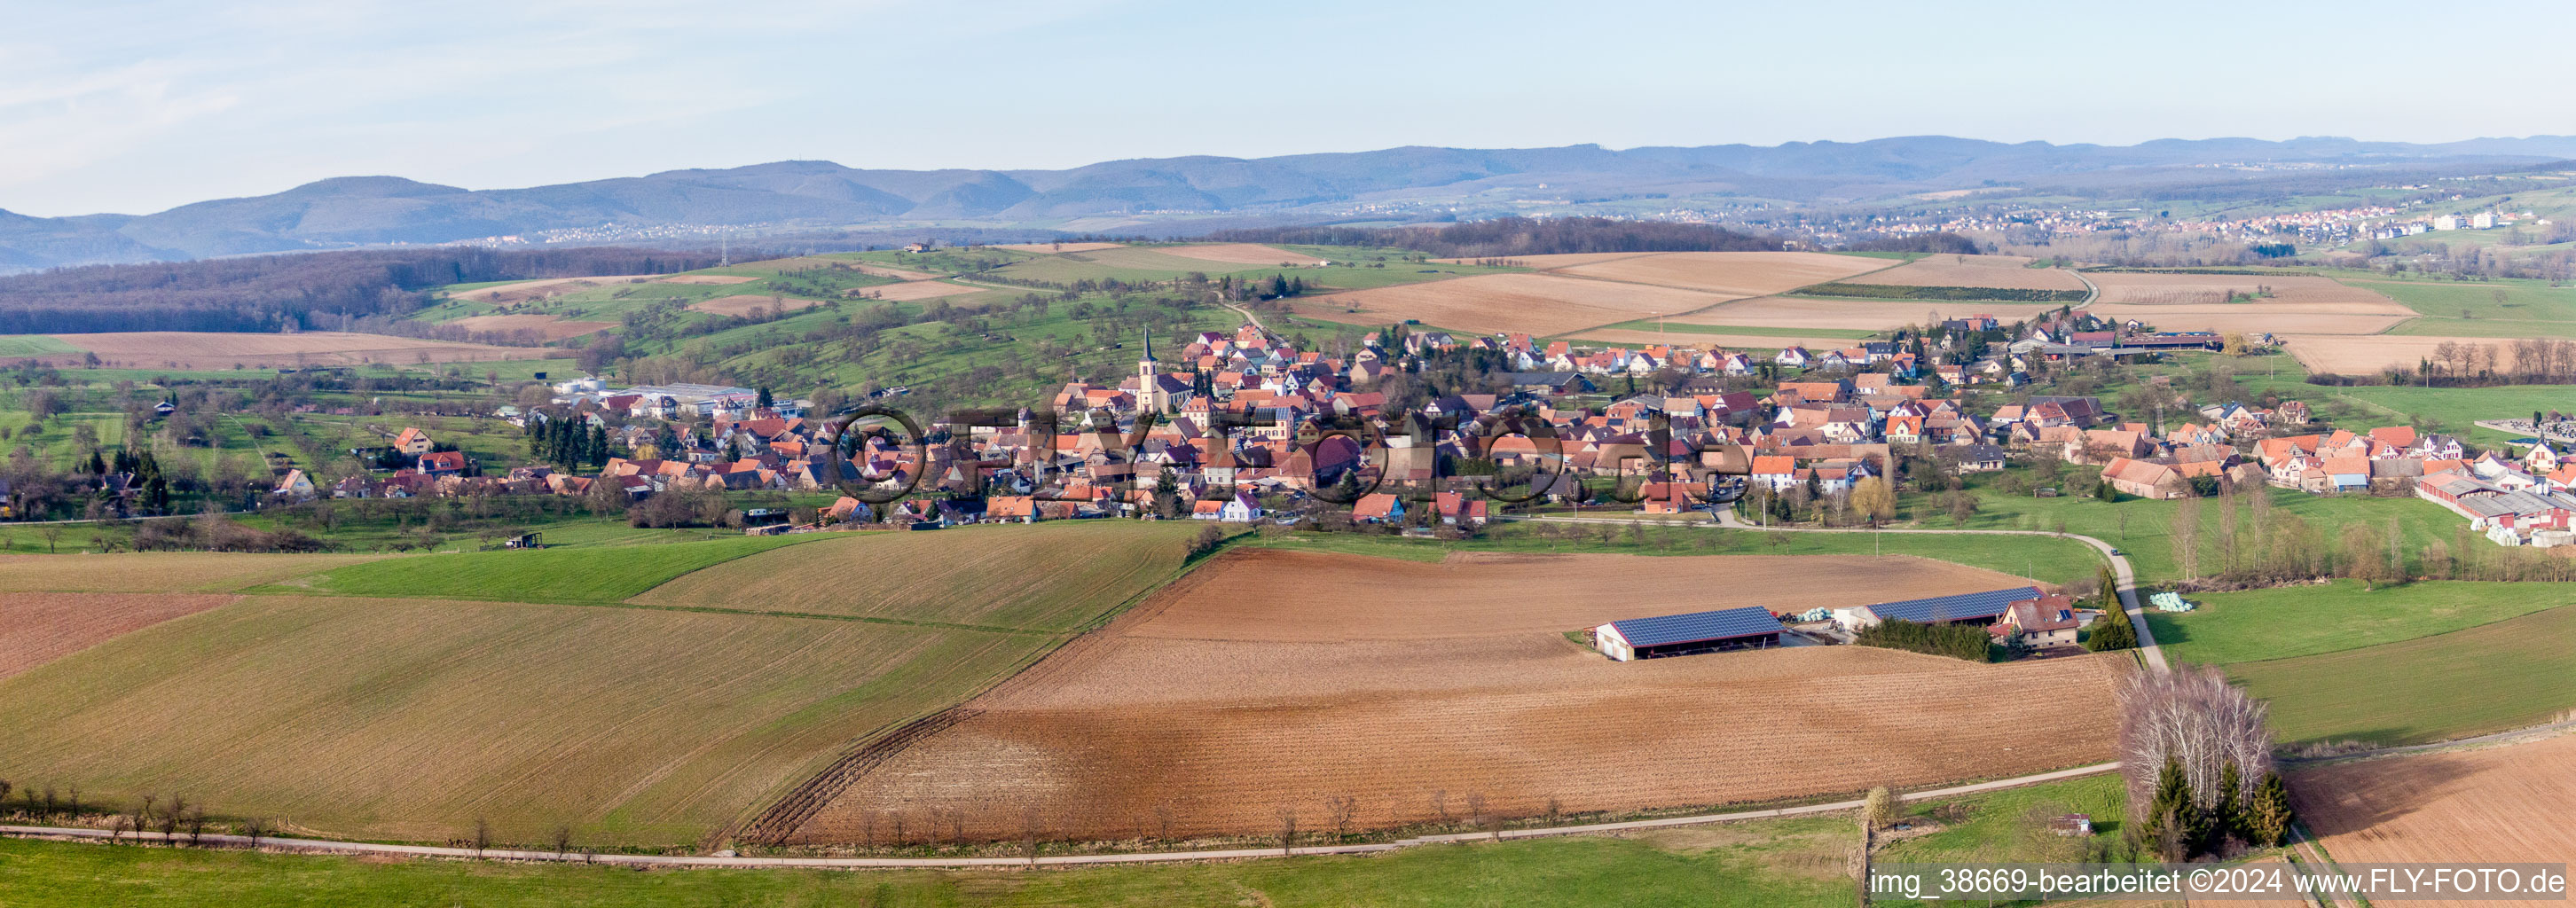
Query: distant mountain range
(1167, 195)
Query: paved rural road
(2128, 579)
(663, 860)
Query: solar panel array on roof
(1695, 627)
(1953, 608)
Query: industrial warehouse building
(1964, 608)
(1697, 632)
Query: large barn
(1963, 608)
(1697, 632)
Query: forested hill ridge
(1167, 196)
(287, 292)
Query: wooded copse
(2196, 753)
(307, 291)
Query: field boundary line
(324, 846)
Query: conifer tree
(2227, 816)
(2268, 815)
(2173, 827)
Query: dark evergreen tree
(598, 447)
(2268, 815)
(765, 400)
(2173, 827)
(2227, 816)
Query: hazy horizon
(144, 107)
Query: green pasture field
(569, 575)
(2286, 622)
(2142, 527)
(2051, 560)
(2492, 677)
(1763, 864)
(2527, 308)
(33, 345)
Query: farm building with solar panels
(1697, 632)
(1964, 608)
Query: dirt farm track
(1273, 681)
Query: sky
(135, 107)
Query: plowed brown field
(213, 351)
(549, 327)
(36, 628)
(2495, 804)
(1541, 304)
(2010, 272)
(1276, 680)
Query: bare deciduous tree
(482, 835)
(1340, 809)
(2192, 716)
(1287, 829)
(563, 841)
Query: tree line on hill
(310, 291)
(1519, 236)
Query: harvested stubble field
(914, 290)
(1727, 273)
(2507, 803)
(212, 351)
(1272, 680)
(2356, 317)
(1052, 248)
(746, 304)
(1049, 577)
(2008, 272)
(408, 718)
(36, 628)
(2168, 288)
(528, 290)
(1871, 315)
(1541, 304)
(2351, 355)
(160, 572)
(546, 327)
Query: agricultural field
(2303, 320)
(1735, 274)
(216, 351)
(2144, 527)
(2283, 622)
(517, 291)
(655, 723)
(976, 575)
(1224, 706)
(547, 328)
(644, 726)
(2149, 288)
(748, 304)
(573, 575)
(160, 572)
(36, 628)
(2346, 355)
(18, 345)
(2504, 803)
(1237, 254)
(2500, 309)
(1540, 304)
(2006, 272)
(2492, 677)
(1869, 315)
